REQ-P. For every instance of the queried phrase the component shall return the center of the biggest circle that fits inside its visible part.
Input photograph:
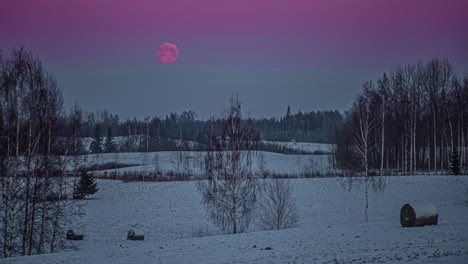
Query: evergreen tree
(288, 119)
(455, 163)
(109, 145)
(86, 186)
(288, 112)
(96, 144)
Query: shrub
(278, 208)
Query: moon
(167, 53)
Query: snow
(304, 146)
(423, 209)
(275, 162)
(331, 226)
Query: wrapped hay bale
(418, 214)
(74, 235)
(134, 234)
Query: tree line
(413, 118)
(162, 134)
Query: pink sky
(419, 29)
(307, 53)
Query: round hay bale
(74, 235)
(418, 214)
(135, 235)
(130, 234)
(69, 234)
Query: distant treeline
(160, 134)
(315, 126)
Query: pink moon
(167, 52)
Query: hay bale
(418, 214)
(74, 235)
(135, 235)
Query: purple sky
(307, 53)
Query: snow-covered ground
(165, 161)
(304, 146)
(331, 226)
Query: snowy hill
(331, 226)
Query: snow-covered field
(164, 161)
(331, 226)
(304, 146)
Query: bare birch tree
(230, 192)
(76, 147)
(364, 124)
(31, 180)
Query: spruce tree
(96, 144)
(86, 186)
(455, 163)
(109, 145)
